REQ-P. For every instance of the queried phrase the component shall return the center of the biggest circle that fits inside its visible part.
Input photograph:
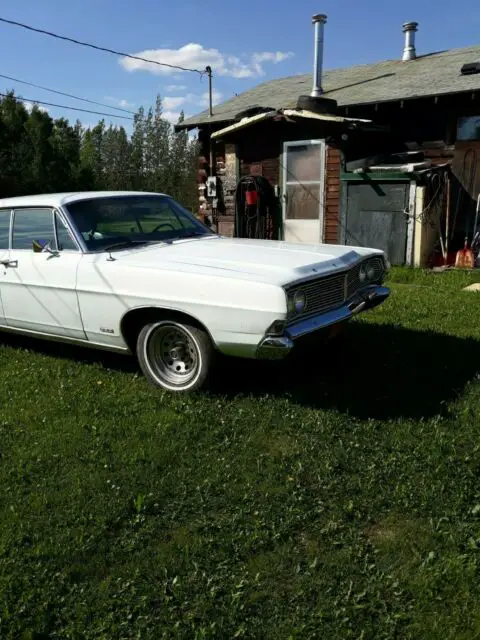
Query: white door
(39, 286)
(5, 215)
(303, 187)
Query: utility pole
(208, 70)
(210, 95)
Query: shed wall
(263, 156)
(332, 196)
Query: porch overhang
(289, 115)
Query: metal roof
(433, 74)
(293, 113)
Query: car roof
(59, 199)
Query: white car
(138, 273)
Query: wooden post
(210, 94)
(210, 113)
(447, 218)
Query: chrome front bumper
(277, 347)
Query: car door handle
(9, 263)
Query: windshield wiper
(124, 243)
(191, 234)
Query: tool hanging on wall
(257, 210)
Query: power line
(64, 106)
(69, 95)
(98, 48)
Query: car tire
(175, 355)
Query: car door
(5, 215)
(39, 279)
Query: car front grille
(330, 292)
(326, 293)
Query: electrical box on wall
(212, 187)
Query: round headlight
(299, 301)
(362, 274)
(370, 272)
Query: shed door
(303, 182)
(375, 216)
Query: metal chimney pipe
(318, 20)
(409, 52)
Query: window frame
(54, 211)
(310, 142)
(57, 213)
(10, 210)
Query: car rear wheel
(175, 356)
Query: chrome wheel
(172, 355)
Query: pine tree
(137, 154)
(65, 142)
(182, 167)
(14, 148)
(157, 148)
(39, 154)
(38, 129)
(91, 166)
(116, 151)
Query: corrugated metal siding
(332, 195)
(375, 217)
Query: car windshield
(119, 221)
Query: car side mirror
(44, 246)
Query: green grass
(337, 496)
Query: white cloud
(172, 116)
(195, 56)
(119, 102)
(216, 97)
(175, 87)
(269, 56)
(172, 102)
(29, 106)
(192, 56)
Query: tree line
(39, 154)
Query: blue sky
(263, 40)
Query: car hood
(267, 261)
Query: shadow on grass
(77, 354)
(372, 371)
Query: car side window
(5, 229)
(65, 240)
(32, 225)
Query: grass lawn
(336, 497)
